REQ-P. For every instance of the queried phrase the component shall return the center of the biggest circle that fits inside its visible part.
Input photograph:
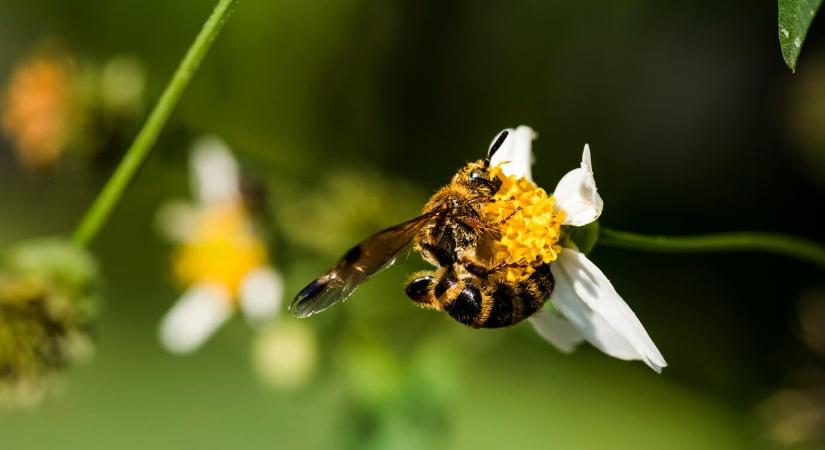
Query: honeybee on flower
(221, 259)
(589, 306)
(501, 248)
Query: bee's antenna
(496, 145)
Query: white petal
(585, 297)
(176, 220)
(557, 331)
(262, 291)
(195, 317)
(596, 330)
(516, 155)
(216, 177)
(577, 196)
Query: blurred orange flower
(37, 108)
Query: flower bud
(48, 301)
(285, 354)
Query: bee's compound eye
(477, 174)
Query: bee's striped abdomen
(530, 299)
(501, 312)
(481, 302)
(466, 306)
(535, 291)
(513, 303)
(543, 279)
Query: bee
(447, 234)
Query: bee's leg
(439, 255)
(482, 271)
(472, 224)
(439, 247)
(420, 289)
(481, 199)
(522, 264)
(509, 216)
(476, 269)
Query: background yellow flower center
(223, 249)
(531, 234)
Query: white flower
(221, 258)
(583, 295)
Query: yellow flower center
(222, 250)
(529, 226)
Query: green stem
(745, 241)
(128, 168)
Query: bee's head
(477, 175)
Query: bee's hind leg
(419, 289)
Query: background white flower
(583, 295)
(221, 260)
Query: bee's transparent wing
(377, 252)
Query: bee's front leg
(482, 199)
(477, 226)
(509, 216)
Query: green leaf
(795, 17)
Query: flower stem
(131, 163)
(745, 241)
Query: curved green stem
(128, 168)
(745, 241)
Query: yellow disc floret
(529, 226)
(222, 250)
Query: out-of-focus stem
(745, 241)
(137, 153)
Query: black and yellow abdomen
(480, 302)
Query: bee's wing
(377, 252)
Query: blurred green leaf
(795, 17)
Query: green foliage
(397, 402)
(795, 17)
(346, 207)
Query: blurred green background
(342, 107)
